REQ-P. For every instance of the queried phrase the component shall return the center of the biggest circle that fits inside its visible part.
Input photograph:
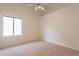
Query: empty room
(39, 29)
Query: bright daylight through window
(12, 26)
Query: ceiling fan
(37, 6)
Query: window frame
(13, 26)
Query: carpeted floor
(38, 48)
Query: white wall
(30, 24)
(62, 27)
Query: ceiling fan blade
(31, 4)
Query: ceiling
(50, 7)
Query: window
(17, 26)
(12, 26)
(7, 26)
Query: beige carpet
(38, 48)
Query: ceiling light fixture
(38, 7)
